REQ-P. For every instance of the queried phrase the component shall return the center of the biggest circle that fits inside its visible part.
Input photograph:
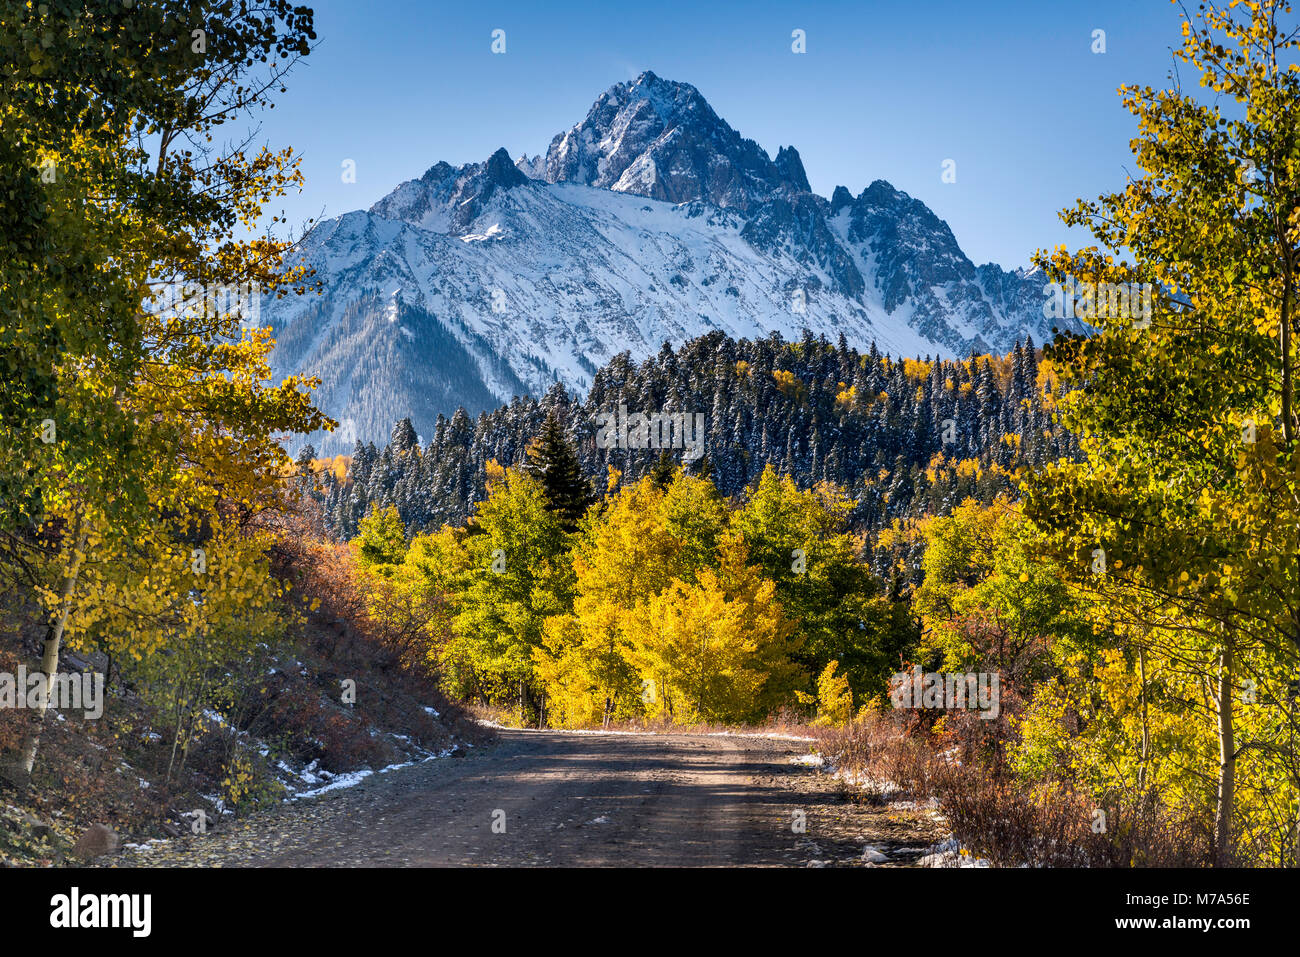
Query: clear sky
(1008, 89)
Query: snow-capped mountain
(652, 220)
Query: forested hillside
(903, 437)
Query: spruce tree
(702, 468)
(403, 437)
(553, 461)
(664, 469)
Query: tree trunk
(1295, 846)
(1288, 427)
(176, 734)
(192, 720)
(50, 658)
(1227, 763)
(1146, 729)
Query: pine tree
(702, 468)
(403, 437)
(664, 468)
(553, 461)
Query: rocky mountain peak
(661, 139)
(499, 172)
(450, 197)
(790, 167)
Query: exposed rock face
(458, 194)
(662, 140)
(98, 840)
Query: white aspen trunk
(1227, 763)
(50, 658)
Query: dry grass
(1008, 822)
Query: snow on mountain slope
(650, 221)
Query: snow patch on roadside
(947, 853)
(809, 760)
(950, 853)
(353, 778)
(146, 847)
(348, 780)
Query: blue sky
(1009, 90)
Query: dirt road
(554, 799)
